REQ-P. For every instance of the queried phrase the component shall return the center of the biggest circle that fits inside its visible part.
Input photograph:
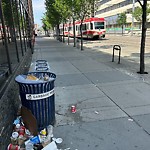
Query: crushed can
(73, 109)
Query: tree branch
(140, 3)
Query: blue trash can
(39, 97)
(42, 65)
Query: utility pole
(133, 8)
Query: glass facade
(113, 6)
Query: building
(109, 9)
(30, 11)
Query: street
(130, 46)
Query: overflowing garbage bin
(37, 94)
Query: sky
(38, 11)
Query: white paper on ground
(51, 146)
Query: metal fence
(16, 35)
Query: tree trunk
(8, 36)
(68, 36)
(63, 34)
(74, 33)
(81, 35)
(142, 50)
(57, 32)
(122, 29)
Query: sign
(39, 96)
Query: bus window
(87, 26)
(99, 25)
(70, 28)
(91, 26)
(77, 27)
(83, 26)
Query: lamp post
(133, 8)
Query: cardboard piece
(29, 120)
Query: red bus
(93, 28)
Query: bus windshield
(99, 25)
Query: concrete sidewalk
(113, 105)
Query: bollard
(118, 48)
(77, 42)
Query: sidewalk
(113, 105)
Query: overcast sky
(38, 10)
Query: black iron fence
(16, 35)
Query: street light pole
(133, 8)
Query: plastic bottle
(28, 145)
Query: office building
(109, 9)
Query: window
(87, 26)
(91, 26)
(99, 25)
(83, 26)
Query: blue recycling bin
(38, 96)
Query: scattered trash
(28, 145)
(31, 77)
(46, 78)
(13, 147)
(130, 119)
(35, 140)
(53, 139)
(17, 121)
(51, 146)
(96, 112)
(73, 109)
(15, 135)
(26, 137)
(43, 132)
(59, 140)
(67, 148)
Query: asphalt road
(130, 44)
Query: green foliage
(46, 25)
(61, 10)
(53, 16)
(6, 4)
(122, 19)
(137, 14)
(83, 8)
(64, 8)
(7, 14)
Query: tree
(122, 20)
(46, 25)
(54, 17)
(137, 14)
(62, 6)
(83, 9)
(143, 37)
